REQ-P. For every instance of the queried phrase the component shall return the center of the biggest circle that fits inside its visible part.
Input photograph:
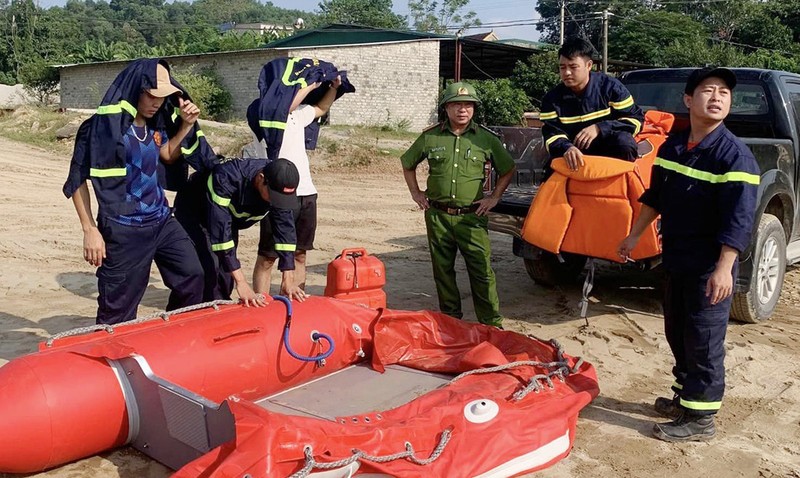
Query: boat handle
(238, 333)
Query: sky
(489, 12)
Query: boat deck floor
(355, 390)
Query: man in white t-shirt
(293, 148)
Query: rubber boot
(686, 428)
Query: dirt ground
(46, 288)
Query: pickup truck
(765, 114)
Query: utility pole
(605, 41)
(457, 74)
(563, 6)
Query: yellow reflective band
(552, 139)
(224, 202)
(703, 406)
(272, 124)
(550, 115)
(196, 144)
(256, 218)
(621, 105)
(730, 177)
(677, 386)
(636, 123)
(107, 173)
(244, 215)
(586, 117)
(222, 247)
(287, 75)
(286, 247)
(117, 108)
(174, 114)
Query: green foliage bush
(208, 92)
(41, 81)
(537, 75)
(502, 103)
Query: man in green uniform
(454, 204)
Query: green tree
(537, 75)
(643, 38)
(764, 30)
(502, 103)
(372, 13)
(439, 17)
(213, 99)
(40, 79)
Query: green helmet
(459, 92)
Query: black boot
(686, 428)
(668, 407)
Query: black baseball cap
(282, 178)
(699, 75)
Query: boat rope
(559, 369)
(315, 336)
(158, 315)
(409, 454)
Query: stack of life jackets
(591, 210)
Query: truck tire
(548, 271)
(769, 266)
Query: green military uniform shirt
(456, 162)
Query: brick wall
(395, 83)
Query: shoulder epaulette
(490, 130)
(433, 126)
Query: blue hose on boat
(316, 336)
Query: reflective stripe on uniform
(732, 176)
(196, 143)
(287, 75)
(224, 202)
(677, 386)
(586, 117)
(551, 139)
(621, 105)
(636, 123)
(701, 406)
(117, 108)
(272, 124)
(286, 247)
(174, 114)
(550, 115)
(107, 172)
(222, 247)
(244, 215)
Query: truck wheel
(546, 270)
(769, 267)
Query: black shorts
(305, 225)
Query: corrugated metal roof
(340, 34)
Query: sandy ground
(46, 288)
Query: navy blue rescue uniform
(605, 102)
(147, 233)
(129, 180)
(231, 203)
(707, 198)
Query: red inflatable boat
(320, 388)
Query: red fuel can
(357, 277)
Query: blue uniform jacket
(233, 202)
(99, 151)
(605, 102)
(706, 197)
(278, 83)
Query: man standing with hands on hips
(704, 185)
(454, 204)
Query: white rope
(158, 315)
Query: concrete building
(397, 74)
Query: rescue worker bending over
(588, 113)
(242, 192)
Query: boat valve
(481, 411)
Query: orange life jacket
(590, 211)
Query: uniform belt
(453, 210)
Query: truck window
(794, 98)
(748, 99)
